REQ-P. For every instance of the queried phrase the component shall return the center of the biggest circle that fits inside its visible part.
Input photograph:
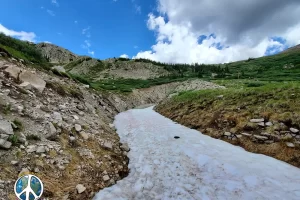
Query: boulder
(78, 127)
(259, 137)
(227, 134)
(289, 144)
(125, 147)
(269, 124)
(51, 131)
(80, 188)
(262, 124)
(57, 117)
(4, 136)
(106, 178)
(31, 148)
(246, 134)
(6, 128)
(26, 86)
(13, 72)
(5, 144)
(293, 130)
(257, 120)
(33, 79)
(107, 145)
(41, 149)
(60, 69)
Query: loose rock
(293, 130)
(257, 120)
(260, 137)
(289, 144)
(78, 127)
(106, 178)
(80, 188)
(269, 124)
(5, 128)
(227, 134)
(125, 147)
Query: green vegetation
(18, 124)
(127, 85)
(22, 50)
(13, 139)
(214, 112)
(7, 109)
(33, 137)
(65, 90)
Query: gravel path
(194, 166)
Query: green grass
(277, 99)
(21, 49)
(19, 125)
(127, 85)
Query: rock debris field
(193, 166)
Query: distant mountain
(56, 54)
(292, 49)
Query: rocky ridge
(56, 54)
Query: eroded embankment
(261, 120)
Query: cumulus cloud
(213, 32)
(22, 35)
(91, 52)
(54, 2)
(50, 12)
(87, 43)
(124, 56)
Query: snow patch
(195, 166)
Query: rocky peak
(56, 54)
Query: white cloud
(47, 42)
(138, 9)
(22, 35)
(179, 25)
(87, 43)
(91, 52)
(54, 2)
(50, 12)
(86, 32)
(124, 56)
(76, 22)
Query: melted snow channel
(194, 166)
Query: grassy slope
(207, 112)
(269, 67)
(21, 50)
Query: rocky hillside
(292, 49)
(62, 130)
(56, 54)
(115, 69)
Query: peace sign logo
(29, 187)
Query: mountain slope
(292, 49)
(56, 54)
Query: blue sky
(173, 31)
(112, 27)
